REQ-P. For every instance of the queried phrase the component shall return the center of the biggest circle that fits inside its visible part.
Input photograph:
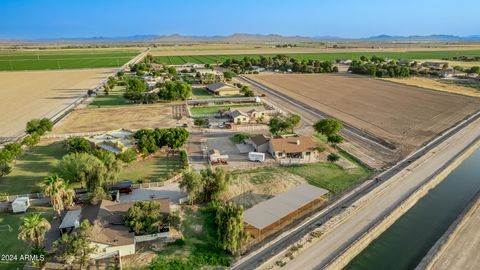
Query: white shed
(20, 204)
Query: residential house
(115, 141)
(239, 117)
(110, 237)
(293, 148)
(435, 65)
(223, 89)
(260, 143)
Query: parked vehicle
(122, 187)
(256, 156)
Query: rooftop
(293, 144)
(280, 206)
(259, 140)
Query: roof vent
(298, 142)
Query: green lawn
(10, 244)
(29, 171)
(330, 176)
(114, 99)
(152, 169)
(212, 59)
(13, 60)
(198, 248)
(201, 93)
(215, 109)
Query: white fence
(150, 237)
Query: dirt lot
(129, 117)
(33, 94)
(403, 115)
(437, 84)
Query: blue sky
(31, 19)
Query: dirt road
(384, 198)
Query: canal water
(407, 241)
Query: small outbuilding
(223, 89)
(20, 204)
(260, 143)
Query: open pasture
(14, 60)
(331, 56)
(404, 115)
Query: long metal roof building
(282, 205)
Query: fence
(150, 237)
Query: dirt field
(436, 84)
(129, 117)
(34, 94)
(403, 115)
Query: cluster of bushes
(150, 140)
(379, 67)
(279, 62)
(471, 70)
(175, 91)
(184, 159)
(463, 58)
(82, 145)
(35, 129)
(280, 124)
(140, 68)
(145, 217)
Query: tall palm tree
(33, 229)
(60, 195)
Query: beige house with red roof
(294, 148)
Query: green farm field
(11, 60)
(412, 55)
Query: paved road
(383, 199)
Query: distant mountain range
(256, 38)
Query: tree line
(379, 67)
(279, 62)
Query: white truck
(256, 156)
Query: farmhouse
(110, 236)
(260, 143)
(293, 148)
(274, 214)
(116, 141)
(239, 117)
(435, 65)
(223, 89)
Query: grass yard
(214, 109)
(151, 169)
(114, 99)
(28, 171)
(201, 93)
(12, 60)
(198, 247)
(10, 243)
(330, 176)
(212, 59)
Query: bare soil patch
(34, 94)
(403, 115)
(129, 117)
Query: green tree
(332, 157)
(5, 168)
(192, 183)
(128, 155)
(31, 139)
(292, 120)
(76, 247)
(14, 149)
(328, 126)
(60, 195)
(39, 126)
(97, 195)
(277, 125)
(135, 88)
(215, 183)
(84, 168)
(145, 217)
(112, 165)
(246, 91)
(335, 139)
(33, 229)
(231, 233)
(77, 145)
(228, 75)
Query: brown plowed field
(403, 115)
(34, 94)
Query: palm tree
(33, 229)
(59, 193)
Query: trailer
(256, 156)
